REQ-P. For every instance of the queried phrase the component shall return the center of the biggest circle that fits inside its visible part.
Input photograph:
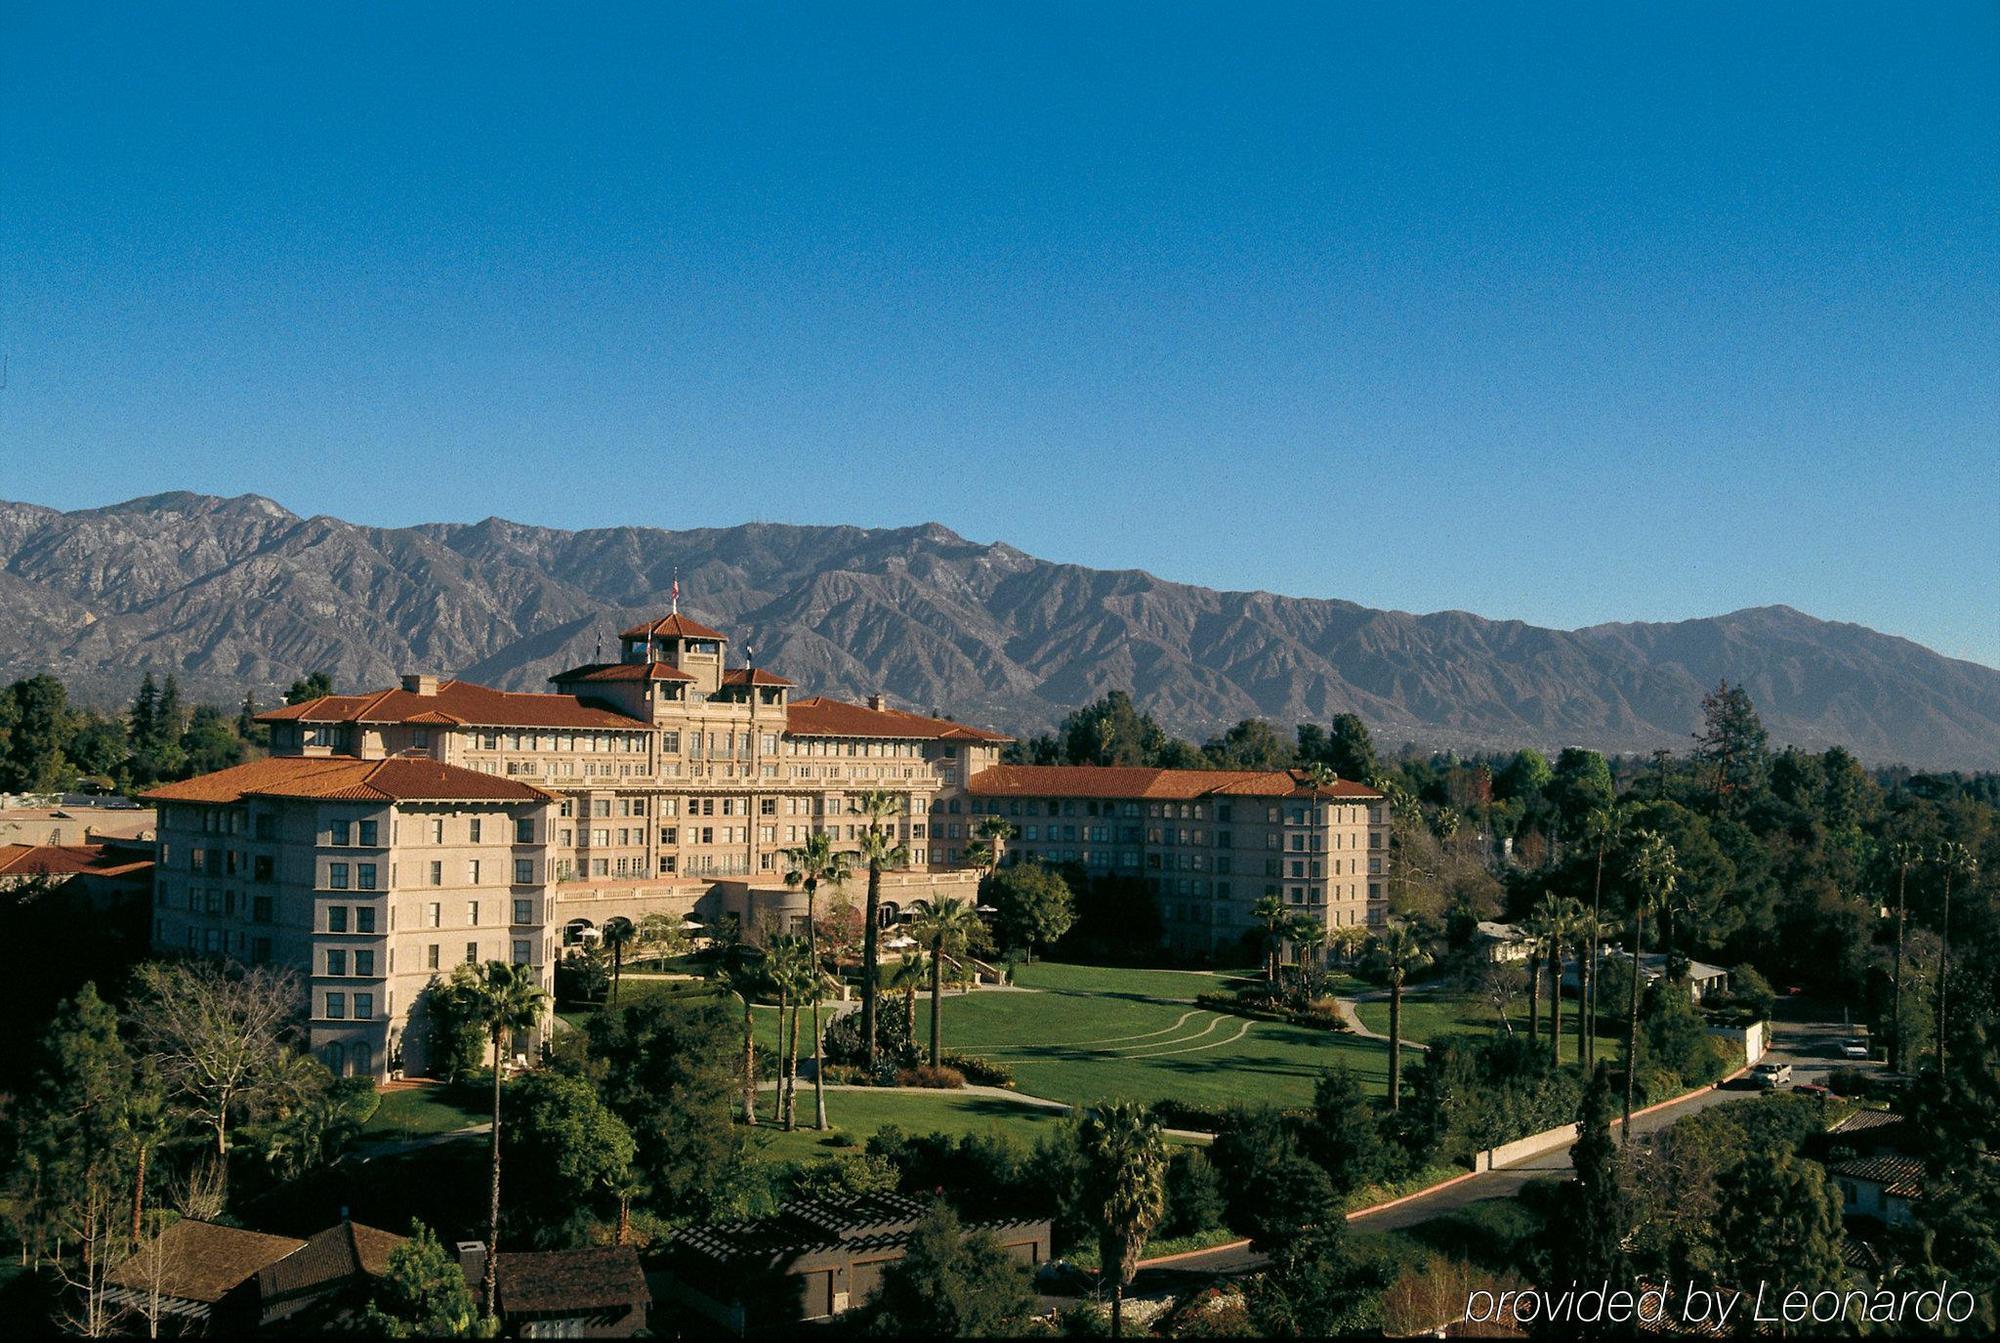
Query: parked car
(1813, 1089)
(1771, 1076)
(1059, 1277)
(1854, 1047)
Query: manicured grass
(859, 1113)
(418, 1112)
(1428, 1016)
(1089, 1033)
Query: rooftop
(68, 860)
(334, 1255)
(672, 626)
(754, 676)
(1867, 1121)
(551, 1281)
(860, 1222)
(200, 1261)
(399, 779)
(454, 704)
(1145, 782)
(621, 671)
(818, 716)
(1899, 1176)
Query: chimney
(420, 683)
(472, 1259)
(878, 701)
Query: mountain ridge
(240, 593)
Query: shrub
(980, 1071)
(358, 1098)
(1195, 1201)
(1173, 1113)
(941, 1078)
(892, 1035)
(1322, 1014)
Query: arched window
(887, 914)
(335, 1058)
(362, 1056)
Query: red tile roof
(622, 671)
(755, 675)
(399, 779)
(456, 703)
(673, 626)
(823, 717)
(1899, 1176)
(603, 1277)
(1134, 781)
(66, 860)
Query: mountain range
(237, 595)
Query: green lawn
(419, 1112)
(857, 1114)
(1090, 1033)
(1428, 1016)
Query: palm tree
(880, 850)
(1308, 938)
(738, 968)
(619, 933)
(1902, 855)
(1653, 873)
(993, 832)
(982, 855)
(809, 864)
(505, 1000)
(1561, 915)
(947, 928)
(625, 1185)
(1398, 952)
(1347, 942)
(1601, 826)
(909, 976)
(1125, 1169)
(1270, 911)
(1952, 860)
(1586, 931)
(788, 961)
(1540, 936)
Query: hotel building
(394, 834)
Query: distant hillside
(237, 594)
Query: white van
(1771, 1076)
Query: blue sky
(1566, 314)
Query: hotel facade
(393, 835)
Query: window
(364, 964)
(340, 832)
(472, 912)
(336, 876)
(336, 1006)
(336, 962)
(261, 864)
(437, 874)
(367, 829)
(524, 832)
(437, 831)
(431, 956)
(364, 876)
(524, 871)
(364, 1008)
(336, 918)
(472, 872)
(434, 915)
(524, 911)
(471, 953)
(475, 830)
(522, 951)
(260, 911)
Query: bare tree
(216, 1034)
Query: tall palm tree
(880, 850)
(1540, 935)
(1308, 938)
(947, 928)
(619, 933)
(909, 975)
(808, 865)
(994, 832)
(1347, 941)
(738, 968)
(788, 962)
(1601, 827)
(1951, 860)
(1562, 915)
(983, 856)
(1653, 871)
(1270, 911)
(1587, 930)
(1902, 856)
(1399, 953)
(1125, 1170)
(506, 1000)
